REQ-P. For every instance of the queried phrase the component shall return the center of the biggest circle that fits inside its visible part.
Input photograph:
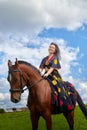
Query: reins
(33, 84)
(21, 81)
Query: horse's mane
(28, 64)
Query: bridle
(11, 71)
(21, 90)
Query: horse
(22, 74)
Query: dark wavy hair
(57, 50)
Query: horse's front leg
(34, 120)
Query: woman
(60, 92)
(51, 62)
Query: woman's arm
(49, 72)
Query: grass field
(21, 121)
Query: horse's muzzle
(15, 100)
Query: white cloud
(82, 87)
(35, 50)
(3, 96)
(69, 56)
(31, 16)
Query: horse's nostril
(14, 100)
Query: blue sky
(27, 28)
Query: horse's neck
(37, 86)
(33, 76)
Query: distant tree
(2, 110)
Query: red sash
(49, 58)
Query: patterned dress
(62, 92)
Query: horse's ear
(9, 63)
(16, 62)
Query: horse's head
(15, 78)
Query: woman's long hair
(57, 50)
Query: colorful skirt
(63, 93)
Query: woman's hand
(45, 75)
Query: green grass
(21, 121)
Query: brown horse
(23, 74)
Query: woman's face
(52, 49)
